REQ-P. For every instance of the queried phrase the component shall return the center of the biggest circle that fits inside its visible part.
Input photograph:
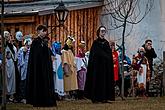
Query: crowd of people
(39, 74)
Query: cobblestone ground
(154, 103)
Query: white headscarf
(6, 34)
(19, 36)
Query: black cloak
(99, 84)
(40, 86)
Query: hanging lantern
(61, 13)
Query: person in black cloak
(99, 86)
(40, 86)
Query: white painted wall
(152, 27)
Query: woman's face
(102, 32)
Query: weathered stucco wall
(152, 27)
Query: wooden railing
(16, 1)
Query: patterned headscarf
(141, 49)
(69, 42)
(82, 44)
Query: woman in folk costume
(141, 65)
(81, 64)
(11, 55)
(23, 57)
(115, 55)
(57, 69)
(68, 62)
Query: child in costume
(81, 64)
(57, 69)
(69, 67)
(23, 57)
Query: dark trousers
(22, 89)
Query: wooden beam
(27, 19)
(71, 8)
(84, 6)
(18, 1)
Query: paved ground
(154, 103)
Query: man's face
(148, 45)
(42, 33)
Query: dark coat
(150, 55)
(99, 84)
(40, 86)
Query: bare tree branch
(119, 9)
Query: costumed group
(40, 74)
